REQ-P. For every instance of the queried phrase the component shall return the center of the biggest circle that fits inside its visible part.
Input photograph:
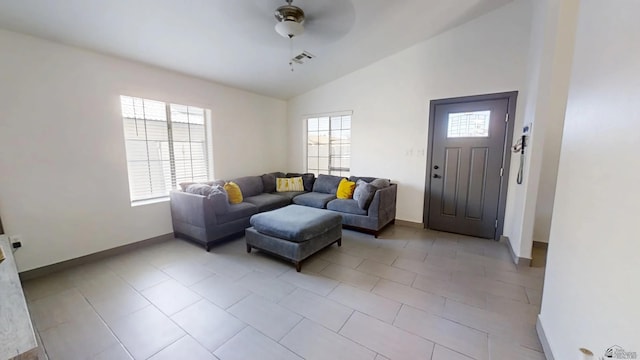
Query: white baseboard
(67, 264)
(543, 340)
(410, 224)
(521, 262)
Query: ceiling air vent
(302, 57)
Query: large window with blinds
(329, 145)
(166, 144)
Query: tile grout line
(107, 325)
(189, 334)
(355, 341)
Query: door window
(469, 124)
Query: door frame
(512, 97)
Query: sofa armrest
(192, 209)
(383, 205)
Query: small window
(469, 124)
(329, 145)
(166, 144)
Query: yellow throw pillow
(234, 192)
(345, 189)
(289, 184)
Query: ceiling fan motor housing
(290, 19)
(289, 13)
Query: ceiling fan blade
(256, 22)
(330, 20)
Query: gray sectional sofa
(207, 219)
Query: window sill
(149, 202)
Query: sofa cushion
(381, 183)
(289, 184)
(220, 199)
(295, 223)
(291, 194)
(267, 202)
(314, 199)
(237, 211)
(234, 192)
(250, 185)
(345, 189)
(327, 184)
(349, 206)
(307, 178)
(364, 194)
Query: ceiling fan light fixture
(289, 29)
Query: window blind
(166, 144)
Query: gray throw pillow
(364, 194)
(185, 185)
(381, 183)
(327, 184)
(269, 183)
(359, 185)
(220, 199)
(198, 189)
(364, 178)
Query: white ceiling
(233, 42)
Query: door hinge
(501, 172)
(496, 225)
(506, 118)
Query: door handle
(436, 176)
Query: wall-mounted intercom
(520, 145)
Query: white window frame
(208, 153)
(332, 168)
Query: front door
(467, 149)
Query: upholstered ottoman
(294, 232)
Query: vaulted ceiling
(233, 42)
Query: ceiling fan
(323, 22)
(314, 24)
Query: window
(166, 144)
(469, 124)
(329, 145)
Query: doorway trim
(511, 96)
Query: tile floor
(410, 294)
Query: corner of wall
(542, 336)
(519, 261)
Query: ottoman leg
(340, 242)
(248, 248)
(298, 266)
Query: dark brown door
(468, 146)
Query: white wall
(550, 56)
(63, 172)
(591, 285)
(390, 99)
